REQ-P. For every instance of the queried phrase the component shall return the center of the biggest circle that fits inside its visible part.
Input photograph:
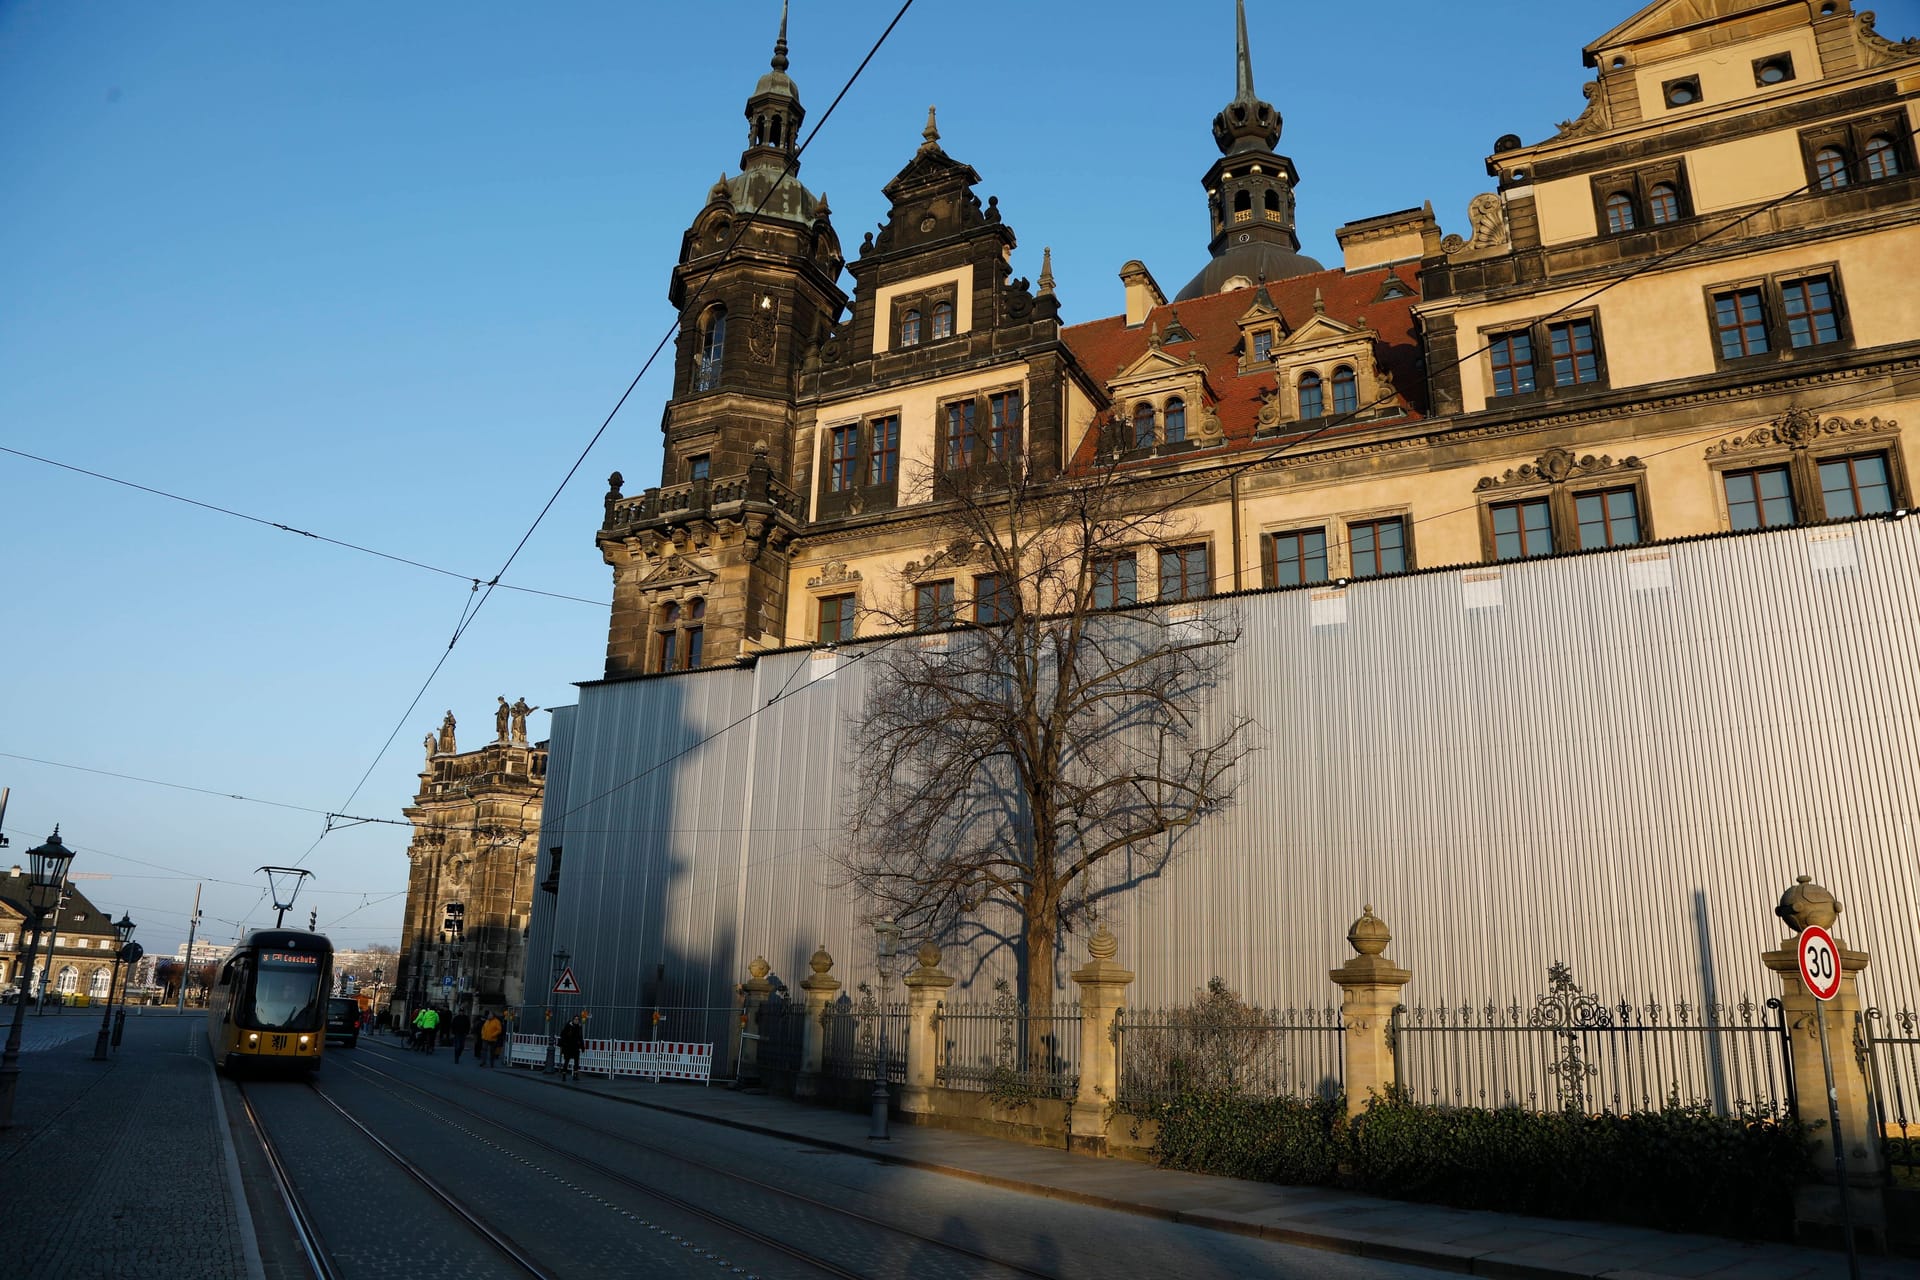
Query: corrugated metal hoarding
(1616, 760)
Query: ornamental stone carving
(1798, 428)
(1487, 215)
(833, 574)
(1557, 466)
(1807, 903)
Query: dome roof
(1251, 262)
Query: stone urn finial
(821, 961)
(928, 954)
(759, 968)
(1807, 903)
(1369, 935)
(1103, 946)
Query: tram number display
(1819, 962)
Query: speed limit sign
(1819, 962)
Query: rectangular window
(696, 642)
(883, 450)
(960, 437)
(1856, 486)
(669, 649)
(991, 600)
(1609, 518)
(1808, 306)
(1740, 322)
(698, 466)
(1512, 364)
(1003, 432)
(1574, 359)
(843, 458)
(1759, 499)
(836, 619)
(1263, 345)
(1378, 546)
(933, 605)
(1115, 581)
(1184, 574)
(1522, 529)
(1299, 557)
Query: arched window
(1143, 426)
(69, 980)
(1312, 405)
(98, 984)
(696, 632)
(1619, 212)
(1880, 160)
(1273, 200)
(713, 349)
(1663, 204)
(773, 134)
(1346, 392)
(1830, 168)
(1175, 420)
(910, 328)
(943, 319)
(759, 130)
(1242, 202)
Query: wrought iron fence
(1570, 1050)
(1240, 1049)
(1893, 1061)
(852, 1031)
(1003, 1046)
(782, 1028)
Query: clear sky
(379, 271)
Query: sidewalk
(1470, 1241)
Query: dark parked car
(343, 1021)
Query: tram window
(285, 997)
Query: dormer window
(942, 320)
(1312, 401)
(1346, 391)
(910, 328)
(1143, 426)
(1175, 420)
(1263, 345)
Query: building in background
(83, 944)
(476, 821)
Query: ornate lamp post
(49, 866)
(886, 940)
(123, 931)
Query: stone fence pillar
(753, 997)
(819, 987)
(1103, 988)
(1369, 992)
(1818, 1205)
(926, 987)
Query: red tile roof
(1107, 346)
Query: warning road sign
(1819, 962)
(566, 986)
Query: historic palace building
(1690, 311)
(77, 943)
(476, 823)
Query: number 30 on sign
(1819, 962)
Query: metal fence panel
(1001, 1046)
(1893, 1059)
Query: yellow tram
(268, 1009)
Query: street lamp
(49, 867)
(886, 939)
(123, 931)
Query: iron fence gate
(1004, 1046)
(853, 1036)
(1893, 1065)
(1569, 1050)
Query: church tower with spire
(1249, 190)
(699, 562)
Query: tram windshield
(287, 991)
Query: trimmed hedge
(1681, 1167)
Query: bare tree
(1004, 757)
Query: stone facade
(1684, 313)
(84, 943)
(476, 821)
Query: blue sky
(379, 272)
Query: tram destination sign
(288, 957)
(1819, 962)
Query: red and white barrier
(653, 1059)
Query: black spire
(774, 112)
(1246, 123)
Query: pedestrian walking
(572, 1036)
(492, 1032)
(426, 1024)
(457, 1028)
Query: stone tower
(700, 563)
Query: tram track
(731, 1225)
(312, 1240)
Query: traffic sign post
(567, 986)
(1820, 970)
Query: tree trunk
(1043, 925)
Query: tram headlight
(304, 1040)
(253, 1037)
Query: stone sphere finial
(1369, 935)
(821, 961)
(928, 954)
(759, 968)
(1103, 945)
(761, 449)
(1808, 903)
